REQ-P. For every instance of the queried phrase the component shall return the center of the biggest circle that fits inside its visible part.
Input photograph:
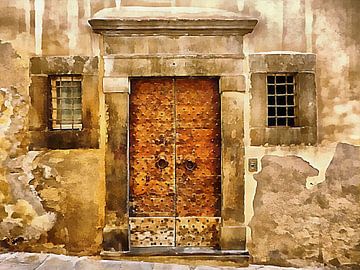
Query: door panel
(175, 163)
(150, 232)
(197, 231)
(152, 139)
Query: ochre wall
(36, 202)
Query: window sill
(271, 136)
(64, 139)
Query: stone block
(232, 158)
(166, 45)
(116, 85)
(233, 83)
(125, 67)
(282, 62)
(233, 238)
(115, 239)
(39, 103)
(58, 262)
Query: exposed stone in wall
(49, 200)
(22, 217)
(293, 225)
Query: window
(64, 112)
(66, 105)
(281, 100)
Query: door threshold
(187, 256)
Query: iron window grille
(281, 102)
(66, 103)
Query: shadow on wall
(296, 226)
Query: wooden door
(175, 162)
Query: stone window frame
(302, 65)
(41, 134)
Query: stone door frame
(119, 67)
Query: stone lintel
(282, 62)
(233, 238)
(173, 27)
(49, 65)
(115, 67)
(232, 83)
(116, 85)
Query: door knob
(161, 163)
(189, 164)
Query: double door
(175, 162)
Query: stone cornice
(173, 27)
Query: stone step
(43, 261)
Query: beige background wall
(328, 28)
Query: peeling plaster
(307, 225)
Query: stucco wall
(328, 28)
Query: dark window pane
(271, 122)
(291, 122)
(281, 121)
(280, 79)
(290, 100)
(66, 83)
(66, 115)
(271, 100)
(76, 84)
(270, 79)
(281, 100)
(65, 92)
(271, 111)
(271, 89)
(289, 79)
(281, 111)
(290, 89)
(281, 89)
(58, 92)
(291, 111)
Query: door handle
(161, 163)
(190, 165)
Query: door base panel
(175, 231)
(185, 256)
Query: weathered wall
(294, 225)
(50, 200)
(328, 28)
(293, 229)
(289, 226)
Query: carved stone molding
(174, 21)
